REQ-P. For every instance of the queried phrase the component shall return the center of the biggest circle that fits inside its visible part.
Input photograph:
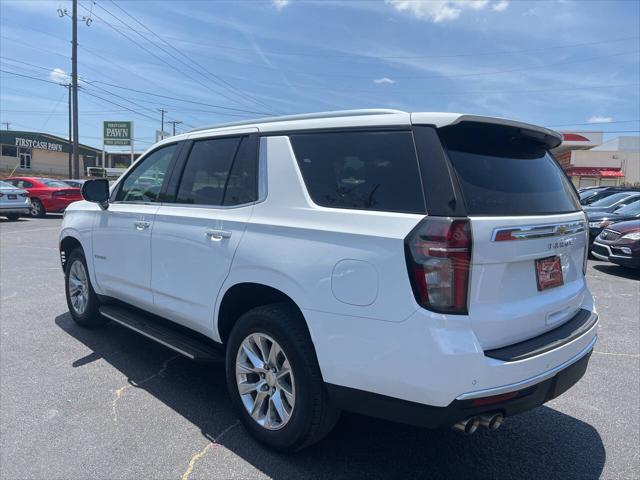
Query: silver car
(14, 202)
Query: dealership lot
(110, 404)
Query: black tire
(90, 317)
(37, 209)
(13, 217)
(312, 416)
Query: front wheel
(82, 301)
(274, 379)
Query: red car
(47, 194)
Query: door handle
(217, 235)
(141, 224)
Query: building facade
(41, 153)
(589, 161)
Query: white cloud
(59, 76)
(441, 10)
(500, 6)
(280, 4)
(599, 119)
(384, 81)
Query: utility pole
(174, 123)
(74, 82)
(7, 124)
(68, 85)
(162, 112)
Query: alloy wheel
(265, 381)
(78, 287)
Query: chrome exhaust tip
(467, 426)
(492, 422)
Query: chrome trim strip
(488, 392)
(172, 347)
(528, 232)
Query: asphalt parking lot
(109, 404)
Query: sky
(565, 64)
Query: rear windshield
(361, 170)
(502, 171)
(610, 200)
(53, 183)
(631, 209)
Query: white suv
(421, 267)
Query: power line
(153, 54)
(199, 65)
(401, 57)
(594, 123)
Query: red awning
(594, 172)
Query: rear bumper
(15, 209)
(57, 205)
(520, 399)
(431, 359)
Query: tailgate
(529, 232)
(506, 302)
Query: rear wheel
(274, 379)
(82, 301)
(13, 217)
(37, 209)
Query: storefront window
(25, 158)
(9, 151)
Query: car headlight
(631, 236)
(600, 224)
(594, 224)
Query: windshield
(588, 193)
(631, 209)
(54, 183)
(610, 200)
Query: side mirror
(96, 191)
(618, 207)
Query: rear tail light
(24, 195)
(438, 255)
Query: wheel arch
(242, 297)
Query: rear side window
(502, 171)
(361, 170)
(242, 184)
(205, 174)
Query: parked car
(14, 202)
(619, 243)
(591, 196)
(613, 202)
(424, 267)
(75, 183)
(600, 220)
(47, 195)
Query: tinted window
(9, 151)
(205, 174)
(53, 183)
(144, 183)
(631, 209)
(361, 170)
(502, 171)
(610, 200)
(242, 184)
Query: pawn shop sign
(117, 133)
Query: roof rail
(302, 116)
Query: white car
(14, 202)
(420, 267)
